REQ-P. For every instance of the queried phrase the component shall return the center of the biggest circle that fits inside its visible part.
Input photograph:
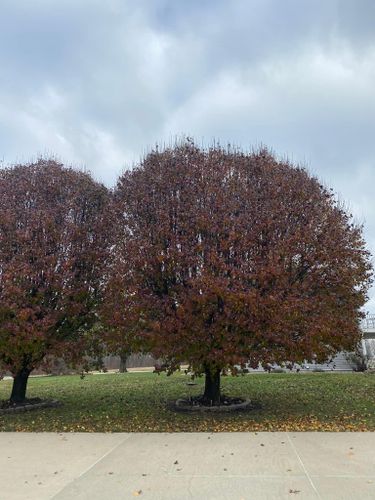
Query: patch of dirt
(224, 401)
(27, 405)
(4, 405)
(227, 404)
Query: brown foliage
(224, 258)
(51, 246)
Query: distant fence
(133, 361)
(59, 367)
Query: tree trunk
(19, 386)
(123, 360)
(212, 387)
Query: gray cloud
(97, 83)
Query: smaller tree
(124, 355)
(120, 310)
(52, 249)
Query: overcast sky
(97, 83)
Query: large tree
(51, 254)
(225, 258)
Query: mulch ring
(27, 405)
(227, 405)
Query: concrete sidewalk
(247, 466)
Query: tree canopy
(52, 241)
(224, 258)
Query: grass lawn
(136, 402)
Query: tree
(124, 355)
(52, 244)
(225, 258)
(118, 312)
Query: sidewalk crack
(303, 467)
(92, 465)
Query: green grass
(136, 402)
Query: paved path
(238, 466)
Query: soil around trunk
(27, 405)
(227, 405)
